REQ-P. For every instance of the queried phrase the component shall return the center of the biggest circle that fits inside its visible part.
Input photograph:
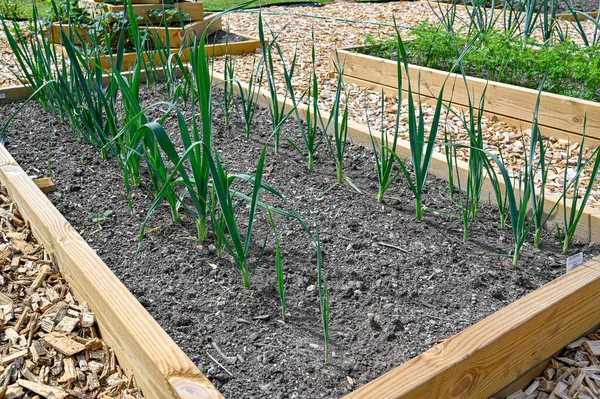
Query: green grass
(24, 7)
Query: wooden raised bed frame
(212, 50)
(559, 116)
(193, 9)
(504, 349)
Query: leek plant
(539, 170)
(574, 207)
(384, 161)
(450, 153)
(237, 246)
(499, 191)
(37, 58)
(481, 18)
(588, 40)
(339, 139)
(312, 136)
(421, 148)
(278, 112)
(445, 13)
(248, 102)
(278, 267)
(324, 300)
(228, 81)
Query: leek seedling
(577, 204)
(277, 111)
(500, 194)
(312, 136)
(450, 153)
(421, 148)
(518, 204)
(384, 161)
(228, 94)
(248, 103)
(278, 267)
(339, 139)
(238, 248)
(579, 27)
(324, 300)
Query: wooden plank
(132, 1)
(570, 17)
(548, 131)
(556, 111)
(143, 348)
(483, 358)
(72, 31)
(523, 381)
(19, 93)
(14, 93)
(193, 9)
(588, 228)
(45, 184)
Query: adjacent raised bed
(157, 57)
(559, 116)
(193, 9)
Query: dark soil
(389, 304)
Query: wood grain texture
(74, 32)
(212, 50)
(570, 17)
(160, 367)
(19, 93)
(15, 93)
(588, 228)
(502, 100)
(483, 358)
(548, 131)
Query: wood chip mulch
(575, 374)
(49, 344)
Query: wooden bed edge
(15, 93)
(559, 112)
(143, 348)
(23, 92)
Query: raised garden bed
(158, 34)
(281, 356)
(218, 44)
(559, 116)
(194, 10)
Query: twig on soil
(385, 244)
(228, 359)
(219, 364)
(444, 318)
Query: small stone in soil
(253, 337)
